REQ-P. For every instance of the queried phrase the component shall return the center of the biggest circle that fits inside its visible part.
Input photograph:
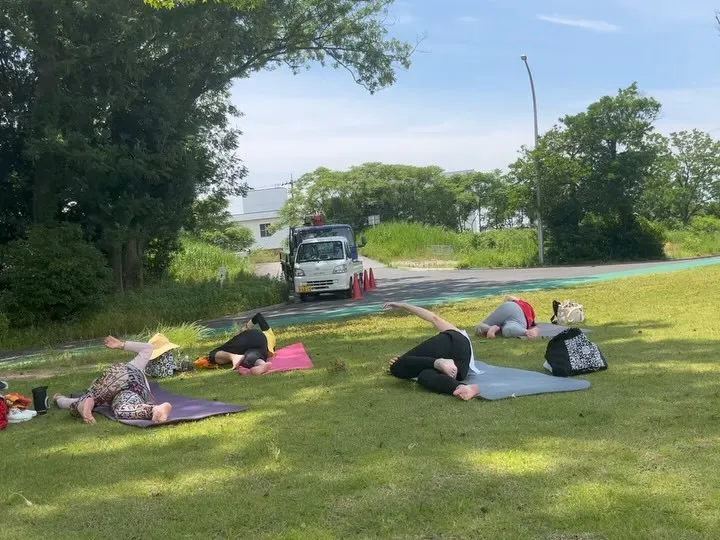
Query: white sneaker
(15, 416)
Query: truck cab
(325, 265)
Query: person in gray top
(513, 318)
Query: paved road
(437, 286)
(425, 287)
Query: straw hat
(161, 345)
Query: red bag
(3, 414)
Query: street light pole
(541, 254)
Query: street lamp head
(524, 58)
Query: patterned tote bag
(572, 353)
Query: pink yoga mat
(287, 359)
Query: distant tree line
(607, 179)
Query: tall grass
(198, 262)
(700, 238)
(411, 242)
(193, 293)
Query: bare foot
(491, 333)
(85, 408)
(392, 361)
(261, 369)
(466, 391)
(447, 366)
(533, 332)
(161, 413)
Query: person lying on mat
(513, 318)
(250, 349)
(122, 386)
(438, 363)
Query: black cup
(40, 399)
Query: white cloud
(467, 19)
(292, 125)
(586, 24)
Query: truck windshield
(320, 251)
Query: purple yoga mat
(184, 409)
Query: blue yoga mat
(501, 382)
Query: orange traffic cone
(356, 295)
(366, 281)
(372, 279)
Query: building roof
(250, 216)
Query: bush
(705, 224)
(51, 275)
(606, 238)
(233, 238)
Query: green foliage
(402, 193)
(199, 262)
(593, 168)
(411, 242)
(686, 178)
(169, 303)
(233, 238)
(701, 238)
(51, 275)
(118, 117)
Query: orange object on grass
(204, 363)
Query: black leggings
(245, 341)
(419, 362)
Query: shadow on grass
(362, 454)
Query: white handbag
(567, 312)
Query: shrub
(705, 224)
(51, 275)
(233, 238)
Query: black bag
(572, 353)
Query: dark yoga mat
(549, 330)
(184, 409)
(501, 382)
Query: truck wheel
(348, 291)
(303, 297)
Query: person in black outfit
(438, 363)
(250, 349)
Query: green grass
(407, 243)
(200, 262)
(193, 293)
(344, 450)
(259, 256)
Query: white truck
(325, 265)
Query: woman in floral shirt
(122, 386)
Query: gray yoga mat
(184, 409)
(501, 382)
(549, 330)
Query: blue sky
(465, 102)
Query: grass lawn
(332, 453)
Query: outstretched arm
(424, 314)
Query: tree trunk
(132, 264)
(44, 22)
(116, 264)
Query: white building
(261, 210)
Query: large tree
(687, 178)
(593, 169)
(120, 116)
